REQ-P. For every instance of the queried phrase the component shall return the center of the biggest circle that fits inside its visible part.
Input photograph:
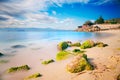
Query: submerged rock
(78, 64)
(18, 46)
(62, 45)
(1, 54)
(87, 44)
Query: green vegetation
(87, 44)
(101, 44)
(76, 50)
(62, 55)
(79, 63)
(1, 54)
(14, 69)
(33, 76)
(3, 61)
(62, 45)
(100, 20)
(88, 23)
(48, 61)
(77, 44)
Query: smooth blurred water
(11, 37)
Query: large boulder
(62, 45)
(87, 44)
(78, 64)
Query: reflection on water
(48, 36)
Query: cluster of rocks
(89, 29)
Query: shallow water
(19, 36)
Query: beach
(106, 61)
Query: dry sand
(106, 61)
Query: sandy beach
(106, 61)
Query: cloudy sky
(58, 14)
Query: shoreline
(35, 54)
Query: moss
(79, 63)
(33, 76)
(62, 45)
(87, 44)
(101, 44)
(14, 69)
(77, 44)
(1, 54)
(62, 55)
(77, 52)
(48, 61)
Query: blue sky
(58, 14)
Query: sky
(57, 14)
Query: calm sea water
(12, 37)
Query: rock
(78, 64)
(62, 45)
(18, 46)
(87, 44)
(118, 77)
(48, 61)
(33, 76)
(62, 55)
(101, 44)
(77, 44)
(14, 69)
(1, 54)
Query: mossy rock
(1, 54)
(62, 45)
(76, 50)
(78, 64)
(14, 69)
(101, 44)
(87, 44)
(48, 61)
(62, 55)
(33, 76)
(77, 44)
(3, 61)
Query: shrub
(87, 44)
(1, 54)
(77, 44)
(14, 69)
(48, 61)
(33, 76)
(79, 63)
(62, 45)
(101, 44)
(62, 55)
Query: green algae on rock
(62, 55)
(62, 45)
(87, 44)
(48, 61)
(77, 44)
(78, 64)
(36, 75)
(14, 69)
(101, 44)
